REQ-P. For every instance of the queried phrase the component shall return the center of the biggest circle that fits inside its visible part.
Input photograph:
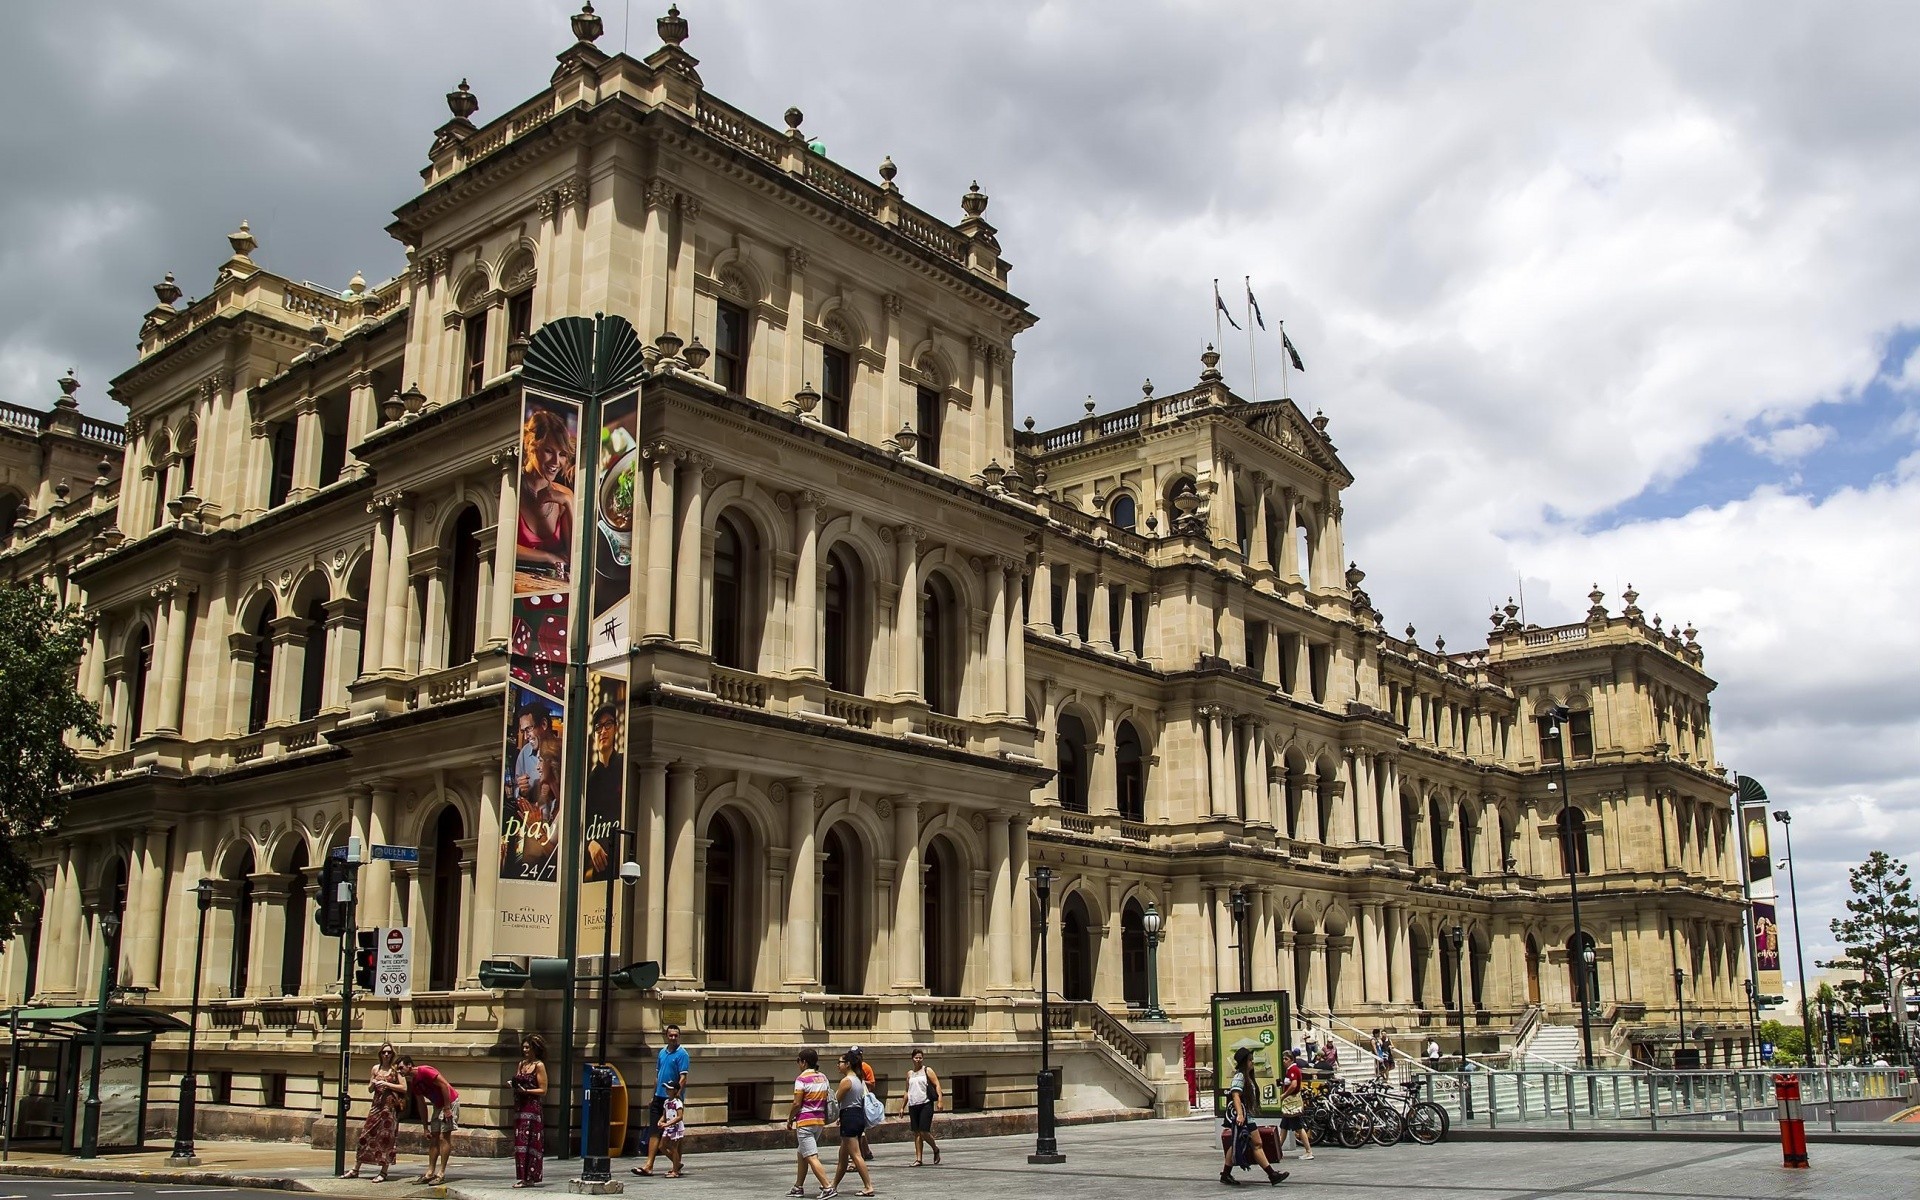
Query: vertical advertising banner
(545, 547)
(1759, 850)
(611, 635)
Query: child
(673, 1127)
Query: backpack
(876, 1111)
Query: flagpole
(1253, 360)
(1283, 360)
(1216, 311)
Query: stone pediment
(1282, 422)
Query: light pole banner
(1261, 1022)
(613, 534)
(606, 795)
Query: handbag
(1292, 1104)
(875, 1110)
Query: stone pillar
(1040, 615)
(653, 825)
(289, 650)
(891, 414)
(906, 617)
(483, 917)
(1070, 611)
(1212, 724)
(806, 583)
(680, 297)
(1373, 953)
(376, 878)
(1259, 557)
(1101, 634)
(344, 634)
(267, 952)
(688, 568)
(1019, 853)
(506, 523)
(1289, 565)
(379, 569)
(173, 664)
(681, 800)
(1401, 966)
(803, 878)
(999, 903)
(399, 590)
(307, 438)
(1253, 777)
(1232, 803)
(363, 416)
(1016, 640)
(140, 944)
(997, 697)
(659, 590)
(909, 972)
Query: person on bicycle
(1243, 1141)
(1293, 1105)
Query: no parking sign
(393, 972)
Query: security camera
(629, 872)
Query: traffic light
(543, 974)
(366, 953)
(335, 911)
(637, 976)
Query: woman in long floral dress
(377, 1134)
(529, 1120)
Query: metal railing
(1653, 1097)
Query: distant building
(894, 652)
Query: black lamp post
(1753, 1022)
(1045, 1149)
(183, 1155)
(109, 950)
(1457, 938)
(1151, 923)
(1680, 1001)
(1571, 856)
(1239, 904)
(596, 1162)
(1799, 956)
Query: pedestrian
(866, 1077)
(1243, 1136)
(388, 1086)
(1382, 1054)
(807, 1118)
(923, 1097)
(669, 1083)
(673, 1129)
(529, 1113)
(1433, 1054)
(1329, 1062)
(437, 1106)
(1293, 1106)
(852, 1098)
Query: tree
(40, 707)
(1880, 935)
(1789, 1042)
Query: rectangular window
(1580, 725)
(1058, 608)
(1550, 742)
(730, 346)
(1257, 647)
(1140, 625)
(1317, 662)
(280, 485)
(970, 1092)
(273, 1089)
(749, 1103)
(927, 424)
(475, 371)
(519, 326)
(836, 387)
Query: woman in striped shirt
(807, 1117)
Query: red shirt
(1294, 1075)
(434, 1086)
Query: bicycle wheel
(1386, 1127)
(1353, 1129)
(1427, 1123)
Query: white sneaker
(1307, 1155)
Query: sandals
(936, 1155)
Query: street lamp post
(1151, 923)
(1753, 1022)
(1239, 899)
(596, 1163)
(1457, 938)
(1680, 1002)
(1799, 956)
(1045, 1149)
(183, 1122)
(1571, 856)
(90, 1121)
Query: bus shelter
(50, 1063)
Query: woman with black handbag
(923, 1096)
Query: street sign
(393, 971)
(402, 854)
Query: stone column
(653, 824)
(1373, 953)
(399, 590)
(486, 865)
(659, 590)
(1289, 565)
(891, 416)
(268, 950)
(1101, 634)
(506, 523)
(1259, 557)
(1070, 611)
(379, 569)
(909, 972)
(680, 297)
(259, 470)
(997, 697)
(803, 878)
(1040, 615)
(999, 903)
(289, 650)
(906, 617)
(688, 568)
(681, 800)
(376, 878)
(1212, 726)
(1233, 803)
(363, 416)
(173, 664)
(1253, 778)
(141, 943)
(307, 438)
(344, 634)
(1019, 853)
(1016, 639)
(1401, 966)
(806, 584)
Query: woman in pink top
(806, 1118)
(438, 1106)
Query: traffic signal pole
(348, 939)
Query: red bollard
(1793, 1131)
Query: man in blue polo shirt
(669, 1082)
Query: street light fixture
(1570, 858)
(1680, 1001)
(90, 1121)
(1457, 938)
(1151, 923)
(1799, 956)
(183, 1122)
(1045, 1149)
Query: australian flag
(1287, 343)
(1222, 307)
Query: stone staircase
(1551, 1046)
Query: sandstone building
(894, 652)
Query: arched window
(1123, 513)
(730, 568)
(444, 970)
(293, 949)
(928, 410)
(1071, 776)
(943, 920)
(1130, 774)
(836, 387)
(1133, 955)
(463, 586)
(941, 649)
(1573, 842)
(313, 667)
(841, 963)
(241, 951)
(10, 505)
(843, 625)
(139, 666)
(1533, 970)
(1076, 950)
(723, 908)
(260, 700)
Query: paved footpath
(1155, 1158)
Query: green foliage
(1788, 1040)
(1881, 932)
(40, 646)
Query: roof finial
(243, 241)
(587, 26)
(167, 290)
(672, 27)
(974, 201)
(462, 103)
(68, 386)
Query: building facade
(892, 654)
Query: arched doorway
(729, 595)
(444, 970)
(1133, 954)
(1071, 749)
(260, 641)
(722, 965)
(1076, 950)
(463, 586)
(941, 649)
(313, 664)
(242, 949)
(943, 920)
(139, 666)
(1130, 777)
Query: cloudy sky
(1591, 293)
